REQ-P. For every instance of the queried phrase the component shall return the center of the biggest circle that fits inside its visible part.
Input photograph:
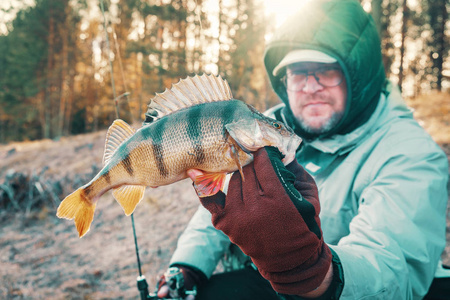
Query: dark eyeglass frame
(307, 73)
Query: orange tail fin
(77, 206)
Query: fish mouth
(291, 149)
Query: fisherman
(379, 229)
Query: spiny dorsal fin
(117, 133)
(191, 91)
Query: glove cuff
(214, 203)
(301, 280)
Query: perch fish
(198, 125)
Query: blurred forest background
(64, 64)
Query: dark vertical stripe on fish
(232, 111)
(126, 163)
(194, 131)
(157, 146)
(199, 153)
(107, 177)
(159, 158)
(87, 190)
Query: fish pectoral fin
(77, 206)
(235, 156)
(129, 197)
(209, 184)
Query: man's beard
(326, 127)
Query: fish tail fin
(77, 206)
(129, 197)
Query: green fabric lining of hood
(343, 30)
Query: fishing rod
(173, 276)
(141, 281)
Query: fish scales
(195, 137)
(175, 144)
(215, 136)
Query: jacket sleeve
(398, 235)
(201, 245)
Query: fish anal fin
(209, 184)
(118, 132)
(129, 197)
(77, 206)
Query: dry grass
(433, 113)
(41, 256)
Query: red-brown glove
(273, 217)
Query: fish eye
(276, 125)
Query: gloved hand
(191, 278)
(273, 217)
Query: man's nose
(312, 85)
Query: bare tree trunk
(64, 80)
(220, 62)
(159, 43)
(138, 84)
(402, 46)
(123, 100)
(440, 41)
(41, 108)
(68, 111)
(49, 80)
(182, 41)
(377, 13)
(197, 59)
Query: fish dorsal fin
(118, 132)
(189, 92)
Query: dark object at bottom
(440, 288)
(244, 284)
(248, 284)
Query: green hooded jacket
(383, 196)
(382, 180)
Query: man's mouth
(312, 104)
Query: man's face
(317, 105)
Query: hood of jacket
(343, 30)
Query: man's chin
(316, 125)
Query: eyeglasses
(295, 81)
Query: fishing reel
(174, 280)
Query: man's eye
(299, 73)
